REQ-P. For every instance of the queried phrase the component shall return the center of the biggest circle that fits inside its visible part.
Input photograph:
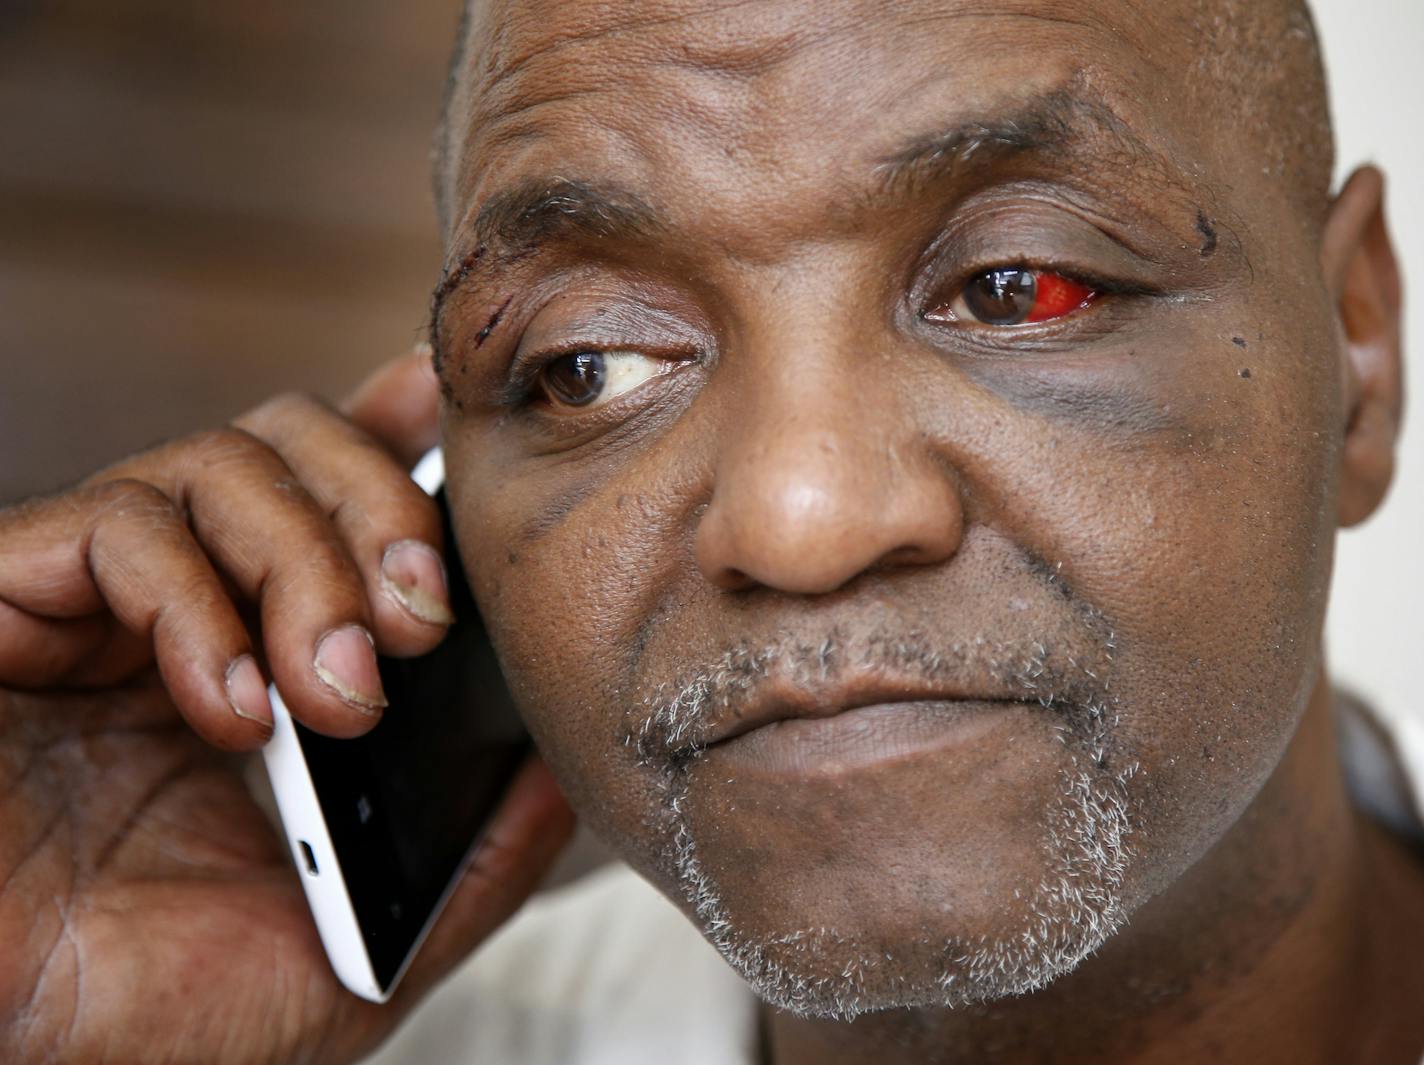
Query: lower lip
(865, 736)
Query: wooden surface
(202, 204)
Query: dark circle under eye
(577, 378)
(1001, 297)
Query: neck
(1261, 952)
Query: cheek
(570, 570)
(1208, 546)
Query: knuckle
(227, 444)
(387, 515)
(323, 568)
(201, 595)
(131, 498)
(195, 615)
(328, 555)
(351, 516)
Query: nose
(818, 484)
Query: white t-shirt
(606, 971)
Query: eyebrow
(517, 221)
(1060, 122)
(514, 222)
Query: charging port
(308, 856)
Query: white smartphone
(381, 826)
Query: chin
(916, 890)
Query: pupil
(576, 379)
(1001, 297)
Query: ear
(1362, 275)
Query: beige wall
(1376, 626)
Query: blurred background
(201, 204)
(204, 203)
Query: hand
(148, 912)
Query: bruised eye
(1013, 296)
(593, 378)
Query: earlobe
(1362, 273)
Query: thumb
(399, 405)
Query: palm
(137, 871)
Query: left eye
(593, 378)
(1013, 296)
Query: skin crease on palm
(1119, 524)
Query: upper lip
(781, 699)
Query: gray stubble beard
(1073, 910)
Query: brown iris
(1002, 297)
(576, 379)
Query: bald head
(1260, 68)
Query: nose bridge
(822, 471)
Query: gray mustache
(667, 728)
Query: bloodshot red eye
(1014, 296)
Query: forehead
(745, 107)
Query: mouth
(859, 737)
(810, 706)
(869, 711)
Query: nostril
(908, 555)
(734, 580)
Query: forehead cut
(1237, 75)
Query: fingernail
(346, 663)
(414, 576)
(247, 691)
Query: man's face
(894, 448)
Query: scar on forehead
(455, 277)
(489, 326)
(1208, 232)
